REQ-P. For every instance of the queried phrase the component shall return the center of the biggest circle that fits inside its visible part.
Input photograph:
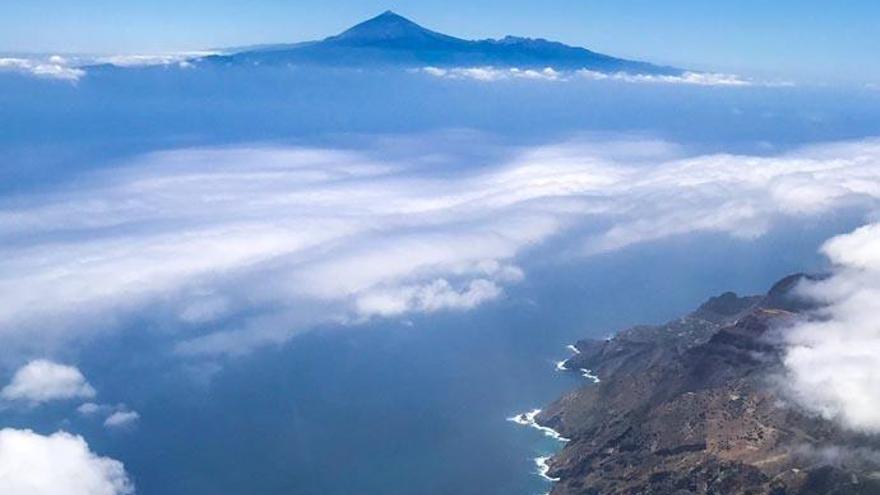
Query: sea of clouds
(306, 236)
(241, 247)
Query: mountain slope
(690, 407)
(392, 40)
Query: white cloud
(430, 297)
(74, 68)
(833, 360)
(115, 416)
(492, 74)
(89, 408)
(58, 464)
(489, 73)
(43, 381)
(688, 78)
(121, 419)
(301, 237)
(54, 67)
(183, 59)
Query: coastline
(529, 419)
(685, 406)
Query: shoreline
(544, 467)
(529, 419)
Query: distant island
(391, 40)
(690, 407)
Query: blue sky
(803, 38)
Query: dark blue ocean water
(393, 408)
(408, 406)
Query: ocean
(418, 403)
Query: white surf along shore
(544, 467)
(586, 373)
(529, 419)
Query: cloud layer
(834, 359)
(43, 381)
(73, 68)
(54, 67)
(491, 74)
(58, 464)
(488, 74)
(301, 236)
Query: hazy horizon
(802, 40)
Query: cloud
(58, 464)
(833, 359)
(280, 240)
(492, 74)
(115, 416)
(89, 408)
(182, 60)
(75, 67)
(430, 297)
(687, 78)
(489, 74)
(54, 67)
(43, 381)
(120, 419)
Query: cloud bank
(300, 237)
(75, 67)
(182, 60)
(489, 74)
(58, 464)
(54, 67)
(492, 74)
(687, 78)
(42, 381)
(833, 360)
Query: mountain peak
(390, 13)
(388, 28)
(390, 39)
(389, 17)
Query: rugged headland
(696, 406)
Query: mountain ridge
(694, 407)
(391, 40)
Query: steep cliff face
(695, 406)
